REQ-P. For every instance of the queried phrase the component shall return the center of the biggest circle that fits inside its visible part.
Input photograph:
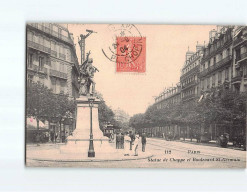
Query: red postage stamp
(131, 54)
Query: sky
(166, 46)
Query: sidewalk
(51, 152)
(211, 143)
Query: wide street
(167, 154)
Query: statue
(86, 80)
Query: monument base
(79, 142)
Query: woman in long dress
(127, 140)
(135, 146)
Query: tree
(38, 101)
(105, 113)
(43, 105)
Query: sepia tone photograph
(135, 96)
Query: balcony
(48, 30)
(58, 74)
(62, 56)
(189, 84)
(239, 40)
(37, 69)
(236, 79)
(241, 58)
(38, 47)
(216, 66)
(54, 53)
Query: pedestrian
(122, 141)
(126, 143)
(144, 141)
(135, 145)
(118, 139)
(132, 137)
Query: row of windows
(187, 69)
(57, 85)
(217, 58)
(188, 92)
(215, 79)
(189, 80)
(167, 94)
(53, 45)
(217, 44)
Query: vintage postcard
(136, 96)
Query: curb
(86, 160)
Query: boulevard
(165, 154)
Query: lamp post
(91, 152)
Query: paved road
(169, 154)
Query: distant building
(121, 116)
(169, 97)
(189, 75)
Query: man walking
(144, 141)
(122, 141)
(118, 139)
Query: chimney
(199, 47)
(188, 54)
(71, 36)
(212, 34)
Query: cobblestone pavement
(166, 154)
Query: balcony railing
(53, 53)
(241, 57)
(58, 74)
(33, 67)
(189, 84)
(38, 46)
(215, 66)
(36, 68)
(52, 32)
(239, 40)
(236, 79)
(62, 56)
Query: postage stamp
(131, 54)
(126, 47)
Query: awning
(32, 124)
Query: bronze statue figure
(87, 71)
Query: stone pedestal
(78, 143)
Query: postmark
(126, 47)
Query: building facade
(51, 58)
(169, 97)
(216, 63)
(239, 72)
(52, 61)
(189, 75)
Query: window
(41, 63)
(53, 82)
(227, 73)
(219, 76)
(29, 79)
(30, 60)
(213, 79)
(214, 60)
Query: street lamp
(91, 152)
